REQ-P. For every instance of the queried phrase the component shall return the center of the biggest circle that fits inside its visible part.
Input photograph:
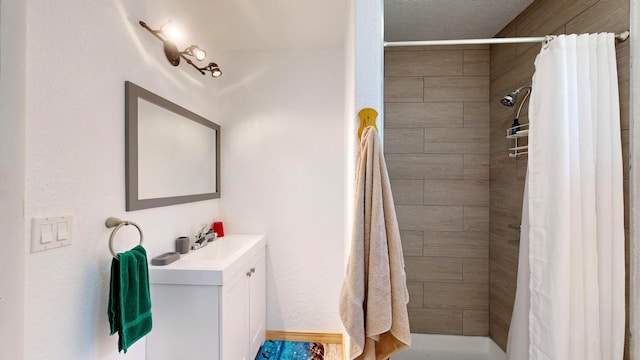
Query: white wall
(369, 56)
(367, 71)
(364, 86)
(289, 148)
(634, 256)
(284, 150)
(79, 55)
(12, 156)
(364, 63)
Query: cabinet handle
(248, 273)
(253, 270)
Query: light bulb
(214, 68)
(199, 54)
(171, 31)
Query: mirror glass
(173, 154)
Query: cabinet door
(185, 323)
(257, 305)
(235, 318)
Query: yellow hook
(367, 118)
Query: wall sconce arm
(173, 55)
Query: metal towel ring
(113, 222)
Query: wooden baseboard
(321, 337)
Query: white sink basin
(210, 265)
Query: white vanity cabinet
(211, 303)
(244, 312)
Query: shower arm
(524, 99)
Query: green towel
(129, 299)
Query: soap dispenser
(514, 126)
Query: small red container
(218, 228)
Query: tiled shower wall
(512, 66)
(437, 150)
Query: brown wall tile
(502, 284)
(403, 140)
(499, 320)
(423, 115)
(407, 192)
(475, 271)
(415, 294)
(623, 90)
(428, 269)
(424, 166)
(624, 134)
(476, 114)
(476, 218)
(475, 322)
(515, 75)
(476, 166)
(521, 167)
(403, 89)
(502, 54)
(428, 186)
(456, 192)
(507, 194)
(423, 63)
(456, 296)
(456, 141)
(433, 218)
(592, 20)
(500, 221)
(543, 17)
(623, 58)
(456, 88)
(456, 244)
(436, 321)
(476, 62)
(412, 242)
(503, 167)
(505, 252)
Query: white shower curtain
(575, 289)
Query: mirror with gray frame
(172, 154)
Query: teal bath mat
(289, 350)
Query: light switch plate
(45, 234)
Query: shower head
(511, 98)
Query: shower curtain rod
(515, 40)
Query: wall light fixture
(173, 54)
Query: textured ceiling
(406, 20)
(257, 24)
(249, 24)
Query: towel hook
(367, 118)
(113, 222)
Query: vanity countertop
(212, 264)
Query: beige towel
(373, 302)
